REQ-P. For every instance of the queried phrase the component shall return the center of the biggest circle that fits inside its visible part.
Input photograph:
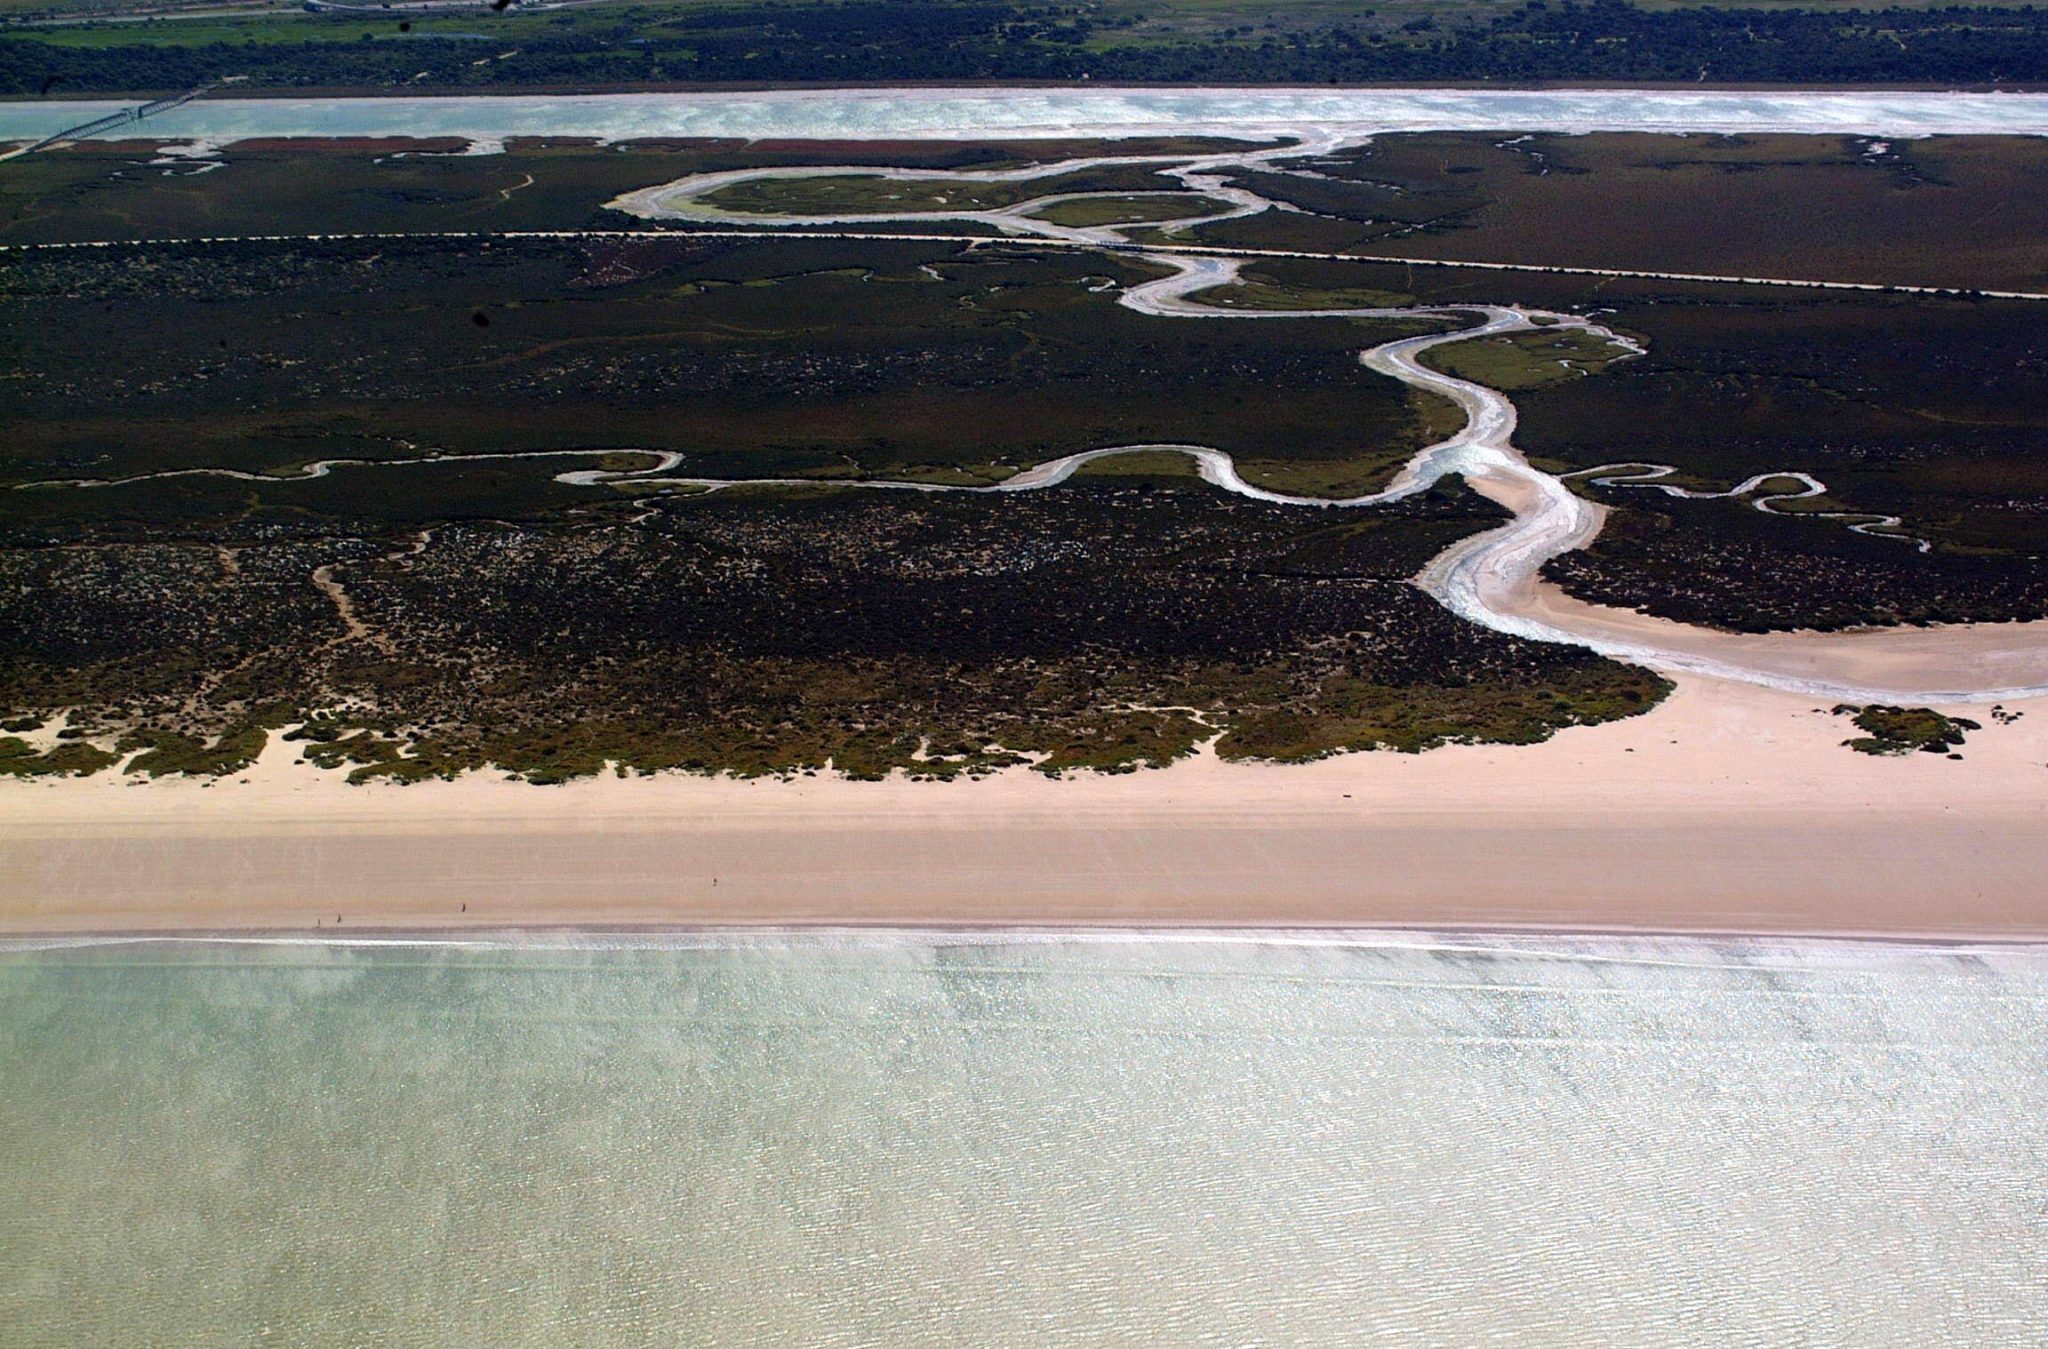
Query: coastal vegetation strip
(936, 635)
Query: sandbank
(1730, 808)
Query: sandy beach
(1730, 808)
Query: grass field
(1256, 292)
(851, 195)
(1142, 465)
(1523, 361)
(1088, 212)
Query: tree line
(863, 41)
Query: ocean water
(956, 113)
(929, 1140)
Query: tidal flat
(423, 452)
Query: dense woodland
(943, 40)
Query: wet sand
(1979, 655)
(1730, 808)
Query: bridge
(114, 119)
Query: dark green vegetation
(1722, 564)
(1523, 361)
(849, 194)
(74, 758)
(409, 619)
(1254, 293)
(159, 753)
(1112, 623)
(1129, 210)
(1935, 411)
(1931, 409)
(1125, 40)
(107, 190)
(1967, 212)
(422, 619)
(1961, 211)
(1902, 730)
(778, 358)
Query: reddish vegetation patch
(377, 145)
(618, 262)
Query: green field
(1256, 292)
(1089, 212)
(1523, 361)
(851, 195)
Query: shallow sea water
(870, 1139)
(942, 113)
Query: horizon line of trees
(926, 40)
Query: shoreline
(241, 93)
(1729, 809)
(727, 935)
(998, 112)
(1740, 814)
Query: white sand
(1730, 808)
(1507, 587)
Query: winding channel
(1494, 578)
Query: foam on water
(943, 1138)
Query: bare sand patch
(1974, 655)
(1955, 656)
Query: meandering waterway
(1493, 579)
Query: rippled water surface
(882, 1140)
(951, 113)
